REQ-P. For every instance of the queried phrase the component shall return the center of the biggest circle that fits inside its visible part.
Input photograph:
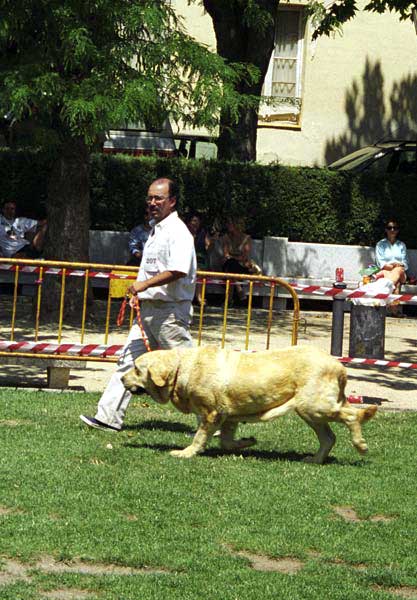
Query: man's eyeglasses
(392, 228)
(157, 199)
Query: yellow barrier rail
(207, 277)
(29, 328)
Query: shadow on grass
(161, 425)
(265, 455)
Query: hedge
(301, 203)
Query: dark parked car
(391, 156)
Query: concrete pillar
(58, 377)
(367, 331)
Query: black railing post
(338, 315)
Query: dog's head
(154, 373)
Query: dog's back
(251, 382)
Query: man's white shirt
(170, 247)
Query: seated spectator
(20, 237)
(236, 250)
(390, 252)
(137, 239)
(391, 258)
(202, 243)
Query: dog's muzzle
(137, 390)
(132, 387)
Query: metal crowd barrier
(33, 273)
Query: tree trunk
(68, 213)
(244, 41)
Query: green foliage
(331, 19)
(78, 68)
(304, 204)
(104, 499)
(24, 178)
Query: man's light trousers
(167, 325)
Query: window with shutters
(283, 81)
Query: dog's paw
(362, 448)
(314, 460)
(186, 453)
(239, 444)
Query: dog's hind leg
(352, 418)
(268, 415)
(278, 411)
(326, 437)
(207, 426)
(227, 440)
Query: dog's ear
(162, 366)
(159, 373)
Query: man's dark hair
(174, 189)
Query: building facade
(333, 95)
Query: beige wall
(197, 23)
(356, 88)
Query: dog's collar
(174, 383)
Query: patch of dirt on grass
(381, 519)
(403, 592)
(343, 563)
(349, 514)
(131, 517)
(12, 422)
(6, 510)
(338, 561)
(55, 517)
(314, 554)
(260, 562)
(50, 565)
(11, 571)
(67, 594)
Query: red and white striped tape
(68, 272)
(304, 289)
(331, 292)
(343, 294)
(102, 351)
(97, 350)
(377, 362)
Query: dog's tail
(342, 380)
(364, 414)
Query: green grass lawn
(74, 496)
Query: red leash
(121, 317)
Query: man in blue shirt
(137, 239)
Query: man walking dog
(165, 287)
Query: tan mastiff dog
(224, 387)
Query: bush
(301, 203)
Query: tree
(76, 68)
(245, 33)
(340, 12)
